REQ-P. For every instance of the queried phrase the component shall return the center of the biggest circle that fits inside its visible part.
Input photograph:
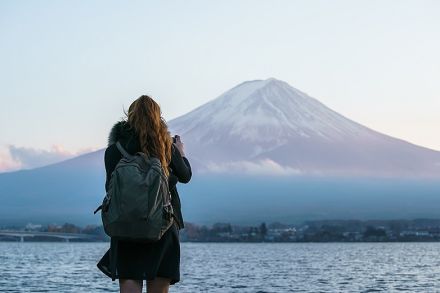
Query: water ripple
(235, 267)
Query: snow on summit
(267, 110)
(263, 121)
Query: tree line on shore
(309, 231)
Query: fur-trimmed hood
(120, 131)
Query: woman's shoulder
(111, 150)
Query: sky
(69, 68)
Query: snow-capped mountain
(269, 126)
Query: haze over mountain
(268, 125)
(257, 128)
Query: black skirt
(146, 261)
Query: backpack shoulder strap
(123, 151)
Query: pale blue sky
(68, 67)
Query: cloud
(15, 158)
(7, 163)
(261, 167)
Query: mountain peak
(248, 87)
(274, 81)
(267, 110)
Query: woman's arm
(111, 159)
(180, 165)
(172, 180)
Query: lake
(234, 267)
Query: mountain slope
(68, 191)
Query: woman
(145, 130)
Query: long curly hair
(144, 115)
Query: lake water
(235, 267)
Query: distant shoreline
(235, 242)
(325, 231)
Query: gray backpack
(137, 205)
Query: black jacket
(180, 169)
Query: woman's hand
(179, 163)
(179, 145)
